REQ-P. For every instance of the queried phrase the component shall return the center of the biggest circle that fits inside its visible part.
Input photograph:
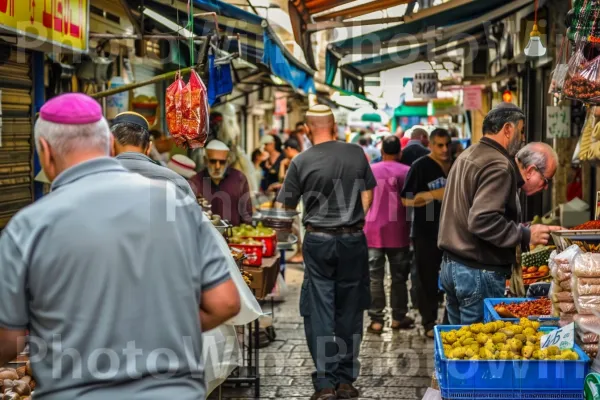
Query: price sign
(558, 122)
(563, 338)
(425, 85)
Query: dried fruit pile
(581, 88)
(525, 309)
(500, 340)
(16, 384)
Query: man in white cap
(132, 146)
(224, 187)
(335, 183)
(114, 280)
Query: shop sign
(472, 98)
(558, 122)
(425, 85)
(64, 23)
(352, 84)
(280, 104)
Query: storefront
(22, 87)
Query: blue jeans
(466, 288)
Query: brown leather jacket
(479, 224)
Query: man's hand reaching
(540, 234)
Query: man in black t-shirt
(423, 191)
(335, 182)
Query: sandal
(372, 328)
(404, 323)
(430, 334)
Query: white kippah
(216, 145)
(319, 110)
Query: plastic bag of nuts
(585, 85)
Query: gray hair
(537, 154)
(502, 114)
(418, 133)
(68, 138)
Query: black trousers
(335, 293)
(428, 259)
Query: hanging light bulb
(535, 48)
(507, 96)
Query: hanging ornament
(535, 48)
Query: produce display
(16, 383)
(590, 225)
(246, 231)
(525, 309)
(501, 340)
(244, 241)
(248, 278)
(534, 265)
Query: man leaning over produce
(107, 274)
(479, 228)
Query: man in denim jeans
(387, 232)
(480, 229)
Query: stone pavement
(395, 365)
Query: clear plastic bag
(567, 308)
(563, 276)
(588, 323)
(587, 265)
(585, 85)
(195, 112)
(568, 255)
(588, 337)
(173, 107)
(563, 297)
(559, 74)
(565, 319)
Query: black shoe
(325, 394)
(347, 391)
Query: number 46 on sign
(563, 338)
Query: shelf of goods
(481, 361)
(513, 309)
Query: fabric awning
(258, 41)
(452, 28)
(406, 110)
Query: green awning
(373, 117)
(411, 111)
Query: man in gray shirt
(132, 147)
(114, 278)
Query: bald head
(537, 163)
(320, 128)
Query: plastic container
(253, 253)
(269, 247)
(490, 314)
(509, 379)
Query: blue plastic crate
(518, 379)
(489, 314)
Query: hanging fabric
(220, 82)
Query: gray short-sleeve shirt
(107, 272)
(329, 177)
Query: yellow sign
(64, 23)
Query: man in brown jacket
(479, 228)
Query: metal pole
(157, 37)
(135, 85)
